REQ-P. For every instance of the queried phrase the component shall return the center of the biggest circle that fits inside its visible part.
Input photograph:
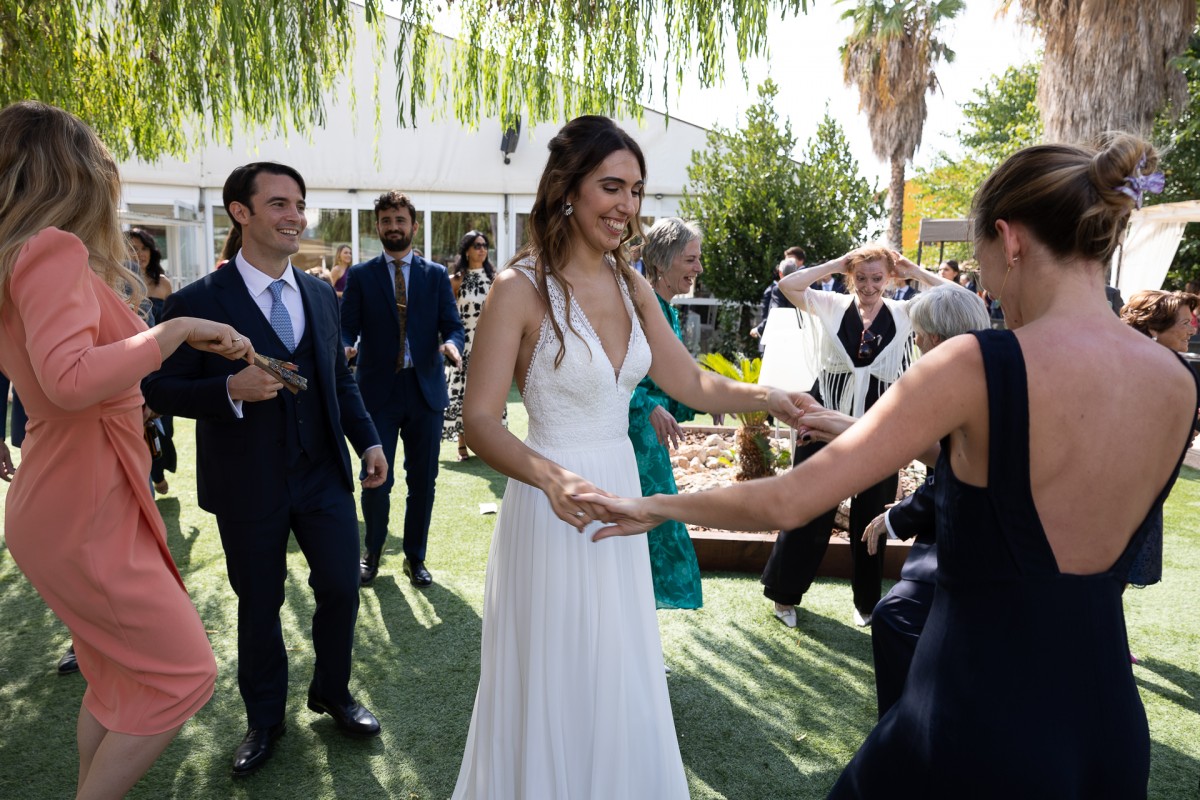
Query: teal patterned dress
(672, 556)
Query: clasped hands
(625, 516)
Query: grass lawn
(761, 711)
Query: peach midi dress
(80, 520)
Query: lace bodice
(585, 400)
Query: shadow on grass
(790, 703)
(1187, 681)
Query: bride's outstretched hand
(790, 407)
(625, 516)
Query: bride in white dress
(572, 701)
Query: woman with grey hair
(942, 312)
(671, 254)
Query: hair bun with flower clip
(1138, 184)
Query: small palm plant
(752, 442)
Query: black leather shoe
(351, 718)
(368, 568)
(417, 574)
(255, 749)
(67, 665)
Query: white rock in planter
(711, 463)
(714, 440)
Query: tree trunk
(896, 212)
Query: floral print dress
(475, 287)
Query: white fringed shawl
(833, 365)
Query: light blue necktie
(281, 321)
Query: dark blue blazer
(915, 515)
(241, 468)
(369, 309)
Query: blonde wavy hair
(56, 173)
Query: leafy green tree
(144, 73)
(1177, 131)
(839, 208)
(1001, 119)
(753, 202)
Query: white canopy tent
(1150, 245)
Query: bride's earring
(568, 209)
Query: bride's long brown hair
(577, 149)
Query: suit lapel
(385, 288)
(234, 297)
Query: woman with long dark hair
(572, 698)
(471, 282)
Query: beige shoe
(786, 615)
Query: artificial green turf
(761, 711)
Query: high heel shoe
(463, 455)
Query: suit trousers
(895, 628)
(406, 417)
(320, 512)
(798, 552)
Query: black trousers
(896, 627)
(797, 554)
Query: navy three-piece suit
(282, 467)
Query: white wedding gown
(572, 701)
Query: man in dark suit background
(404, 310)
(899, 618)
(269, 461)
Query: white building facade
(459, 179)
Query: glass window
(450, 226)
(221, 225)
(369, 245)
(522, 237)
(328, 228)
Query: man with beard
(400, 317)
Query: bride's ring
(237, 338)
(580, 514)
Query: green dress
(672, 556)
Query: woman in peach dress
(79, 520)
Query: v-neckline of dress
(617, 371)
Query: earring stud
(568, 209)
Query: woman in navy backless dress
(1021, 684)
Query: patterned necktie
(402, 310)
(281, 321)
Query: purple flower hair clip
(1139, 184)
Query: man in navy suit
(899, 618)
(270, 462)
(404, 310)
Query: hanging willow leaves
(145, 72)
